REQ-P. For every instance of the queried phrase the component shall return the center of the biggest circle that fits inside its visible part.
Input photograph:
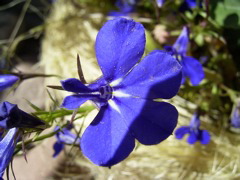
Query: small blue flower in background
(125, 7)
(11, 116)
(7, 146)
(194, 131)
(187, 4)
(181, 44)
(125, 93)
(160, 2)
(191, 3)
(65, 136)
(235, 116)
(7, 80)
(191, 67)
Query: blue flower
(125, 7)
(64, 137)
(7, 80)
(235, 116)
(181, 44)
(191, 67)
(160, 2)
(187, 4)
(11, 116)
(125, 94)
(194, 131)
(191, 3)
(7, 146)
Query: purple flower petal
(11, 116)
(180, 132)
(195, 121)
(67, 137)
(91, 93)
(64, 137)
(97, 84)
(205, 137)
(193, 69)
(119, 46)
(107, 140)
(192, 138)
(58, 147)
(181, 44)
(74, 85)
(162, 81)
(5, 110)
(160, 2)
(7, 146)
(191, 3)
(235, 115)
(75, 101)
(126, 6)
(117, 14)
(170, 50)
(7, 80)
(150, 122)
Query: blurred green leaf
(34, 106)
(226, 12)
(199, 39)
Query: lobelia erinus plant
(125, 94)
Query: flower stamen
(106, 92)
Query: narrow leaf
(80, 72)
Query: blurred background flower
(194, 132)
(7, 80)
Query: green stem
(19, 22)
(39, 138)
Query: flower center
(106, 92)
